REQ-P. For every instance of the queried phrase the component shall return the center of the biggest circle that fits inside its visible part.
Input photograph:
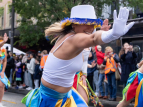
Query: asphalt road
(12, 100)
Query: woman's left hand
(105, 25)
(2, 74)
(83, 79)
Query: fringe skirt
(90, 93)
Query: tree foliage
(48, 11)
(1, 11)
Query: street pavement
(12, 100)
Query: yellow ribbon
(137, 93)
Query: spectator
(16, 60)
(18, 74)
(134, 62)
(44, 56)
(26, 74)
(10, 65)
(37, 73)
(138, 52)
(44, 52)
(100, 57)
(90, 71)
(127, 65)
(110, 61)
(94, 52)
(101, 80)
(99, 54)
(39, 54)
(22, 74)
(24, 59)
(100, 67)
(21, 57)
(12, 69)
(31, 67)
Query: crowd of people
(109, 66)
(25, 71)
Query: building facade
(6, 16)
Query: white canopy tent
(15, 50)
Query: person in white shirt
(30, 68)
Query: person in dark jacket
(10, 65)
(37, 72)
(128, 60)
(110, 62)
(90, 71)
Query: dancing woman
(61, 65)
(134, 88)
(3, 62)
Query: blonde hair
(56, 30)
(108, 47)
(44, 52)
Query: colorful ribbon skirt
(90, 93)
(46, 97)
(5, 81)
(134, 88)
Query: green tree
(1, 11)
(49, 11)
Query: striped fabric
(134, 88)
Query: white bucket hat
(82, 14)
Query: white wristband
(107, 36)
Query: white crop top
(85, 54)
(61, 72)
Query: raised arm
(100, 37)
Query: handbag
(117, 72)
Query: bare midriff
(56, 87)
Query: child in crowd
(37, 73)
(18, 74)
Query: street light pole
(12, 25)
